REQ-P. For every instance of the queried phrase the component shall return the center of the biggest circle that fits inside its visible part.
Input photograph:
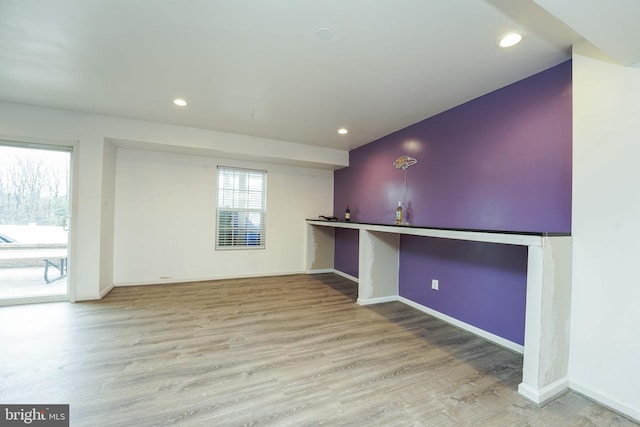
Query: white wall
(107, 217)
(165, 218)
(90, 270)
(605, 318)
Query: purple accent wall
(483, 284)
(346, 251)
(499, 162)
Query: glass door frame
(55, 145)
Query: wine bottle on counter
(347, 214)
(399, 213)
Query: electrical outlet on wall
(435, 285)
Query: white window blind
(241, 208)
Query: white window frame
(241, 203)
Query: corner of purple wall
(499, 162)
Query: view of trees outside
(33, 186)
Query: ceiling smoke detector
(324, 33)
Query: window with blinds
(241, 208)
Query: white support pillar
(546, 339)
(320, 249)
(378, 267)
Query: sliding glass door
(34, 222)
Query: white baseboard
(172, 280)
(467, 327)
(320, 271)
(333, 270)
(613, 404)
(104, 292)
(345, 275)
(379, 300)
(545, 394)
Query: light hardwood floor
(282, 351)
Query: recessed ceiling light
(180, 102)
(343, 131)
(510, 39)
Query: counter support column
(378, 267)
(546, 336)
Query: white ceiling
(256, 67)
